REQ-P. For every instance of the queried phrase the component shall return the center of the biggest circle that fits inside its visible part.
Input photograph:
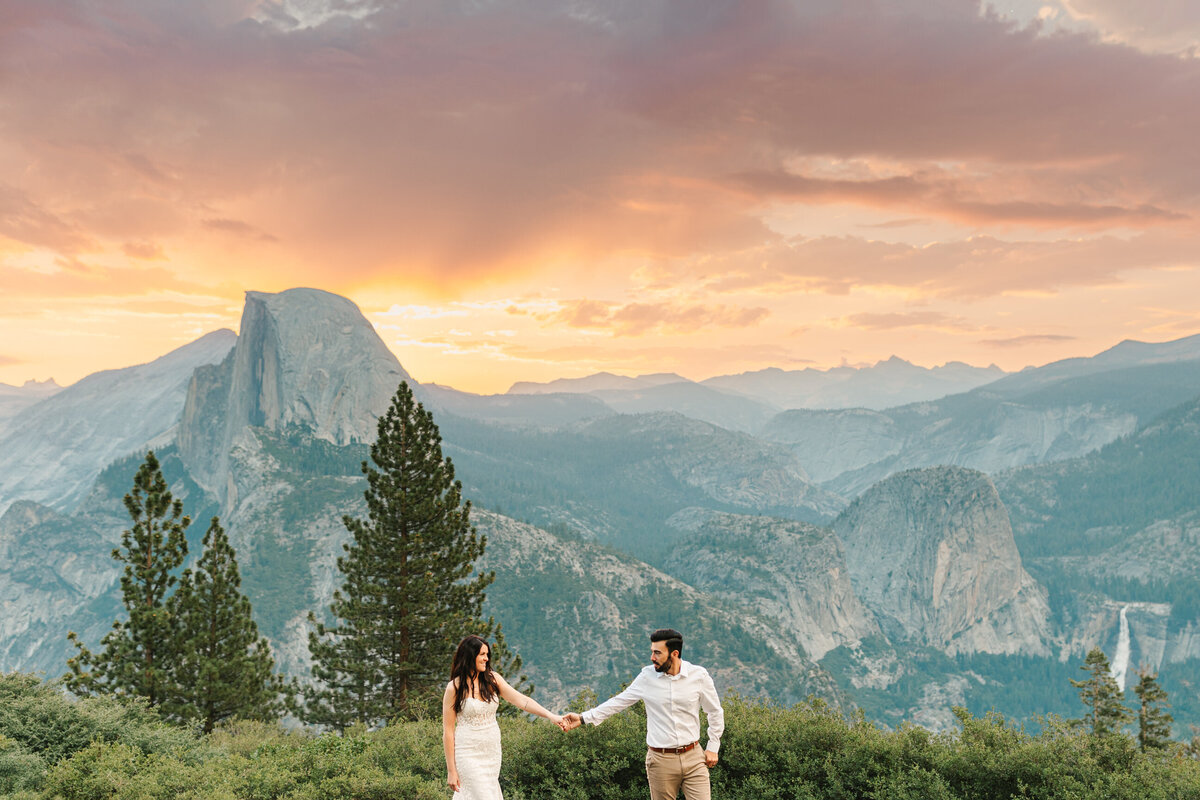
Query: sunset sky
(530, 190)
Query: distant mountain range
(964, 549)
(15, 398)
(747, 401)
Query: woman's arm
(449, 718)
(524, 702)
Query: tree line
(188, 644)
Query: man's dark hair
(672, 637)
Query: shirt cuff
(714, 746)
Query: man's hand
(572, 721)
(710, 759)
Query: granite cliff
(931, 553)
(52, 451)
(305, 359)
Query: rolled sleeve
(614, 704)
(711, 703)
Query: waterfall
(1120, 663)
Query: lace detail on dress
(477, 750)
(478, 714)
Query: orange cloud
(640, 318)
(935, 320)
(981, 266)
(440, 152)
(1027, 339)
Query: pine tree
(223, 668)
(138, 652)
(407, 595)
(507, 662)
(1101, 695)
(1154, 722)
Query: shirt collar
(683, 671)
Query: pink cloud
(1027, 340)
(981, 266)
(446, 144)
(639, 318)
(935, 320)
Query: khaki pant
(668, 772)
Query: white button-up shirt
(673, 704)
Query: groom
(674, 691)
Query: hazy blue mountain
(732, 411)
(1034, 417)
(618, 479)
(601, 381)
(14, 399)
(52, 451)
(886, 384)
(535, 409)
(658, 392)
(1129, 353)
(747, 401)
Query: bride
(470, 734)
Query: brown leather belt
(674, 750)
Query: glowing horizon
(513, 193)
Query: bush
(769, 752)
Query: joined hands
(568, 721)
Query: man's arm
(614, 704)
(711, 704)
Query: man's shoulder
(695, 670)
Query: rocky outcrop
(580, 616)
(832, 443)
(789, 572)
(55, 567)
(931, 553)
(305, 359)
(15, 399)
(729, 467)
(974, 432)
(52, 451)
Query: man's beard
(663, 667)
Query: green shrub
(20, 770)
(44, 721)
(768, 752)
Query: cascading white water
(1120, 662)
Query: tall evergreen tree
(1101, 695)
(408, 594)
(1154, 721)
(223, 668)
(138, 652)
(504, 660)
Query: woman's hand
(560, 721)
(452, 780)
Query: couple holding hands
(673, 690)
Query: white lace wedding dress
(477, 750)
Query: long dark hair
(462, 672)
